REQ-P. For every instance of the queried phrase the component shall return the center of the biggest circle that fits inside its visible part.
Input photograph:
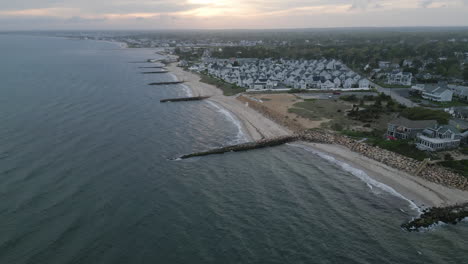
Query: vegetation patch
(401, 147)
(458, 166)
(304, 113)
(420, 113)
(227, 88)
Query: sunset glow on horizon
(206, 14)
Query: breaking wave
(370, 182)
(187, 90)
(241, 137)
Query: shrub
(420, 113)
(336, 127)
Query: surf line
(359, 174)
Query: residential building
(263, 74)
(403, 128)
(397, 77)
(437, 93)
(459, 91)
(438, 139)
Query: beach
(417, 191)
(255, 124)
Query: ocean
(87, 176)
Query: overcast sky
(216, 14)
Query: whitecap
(370, 182)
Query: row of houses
(428, 135)
(269, 74)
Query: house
(437, 93)
(402, 128)
(260, 84)
(384, 64)
(349, 83)
(364, 83)
(437, 139)
(400, 78)
(327, 85)
(459, 112)
(407, 63)
(459, 91)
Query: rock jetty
(245, 146)
(432, 216)
(165, 83)
(184, 99)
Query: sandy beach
(255, 124)
(421, 192)
(417, 191)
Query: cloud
(229, 13)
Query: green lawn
(420, 113)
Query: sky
(228, 14)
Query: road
(395, 96)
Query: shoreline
(419, 192)
(253, 123)
(414, 189)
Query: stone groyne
(184, 99)
(244, 147)
(155, 72)
(430, 217)
(165, 83)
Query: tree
(465, 73)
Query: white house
(437, 139)
(434, 92)
(400, 78)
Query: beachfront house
(403, 128)
(438, 139)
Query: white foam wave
(241, 136)
(187, 90)
(370, 182)
(174, 78)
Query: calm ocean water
(86, 176)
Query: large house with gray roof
(434, 92)
(403, 128)
(438, 139)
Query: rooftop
(401, 121)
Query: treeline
(359, 55)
